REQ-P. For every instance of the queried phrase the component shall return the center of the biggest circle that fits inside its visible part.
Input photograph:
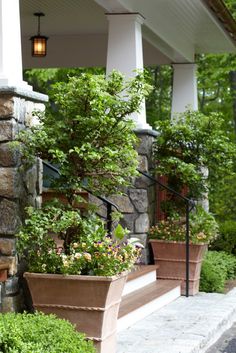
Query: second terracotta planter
(171, 258)
(90, 302)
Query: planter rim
(174, 242)
(75, 277)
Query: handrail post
(187, 248)
(109, 219)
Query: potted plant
(81, 278)
(192, 152)
(168, 238)
(74, 269)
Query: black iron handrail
(109, 206)
(188, 202)
(189, 206)
(108, 203)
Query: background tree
(158, 103)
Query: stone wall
(17, 188)
(138, 206)
(138, 203)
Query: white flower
(78, 255)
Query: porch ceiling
(174, 30)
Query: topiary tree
(89, 134)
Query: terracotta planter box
(3, 272)
(171, 258)
(90, 302)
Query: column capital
(128, 16)
(184, 66)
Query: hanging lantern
(39, 43)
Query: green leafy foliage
(89, 135)
(226, 240)
(39, 333)
(203, 228)
(217, 267)
(120, 232)
(85, 248)
(223, 198)
(214, 85)
(231, 7)
(187, 145)
(42, 80)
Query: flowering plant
(59, 240)
(203, 228)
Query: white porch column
(184, 88)
(125, 52)
(10, 45)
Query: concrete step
(150, 295)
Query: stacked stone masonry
(138, 205)
(142, 195)
(18, 189)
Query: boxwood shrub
(217, 267)
(39, 333)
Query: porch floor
(187, 325)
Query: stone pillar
(139, 205)
(125, 51)
(18, 189)
(184, 88)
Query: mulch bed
(230, 285)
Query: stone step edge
(226, 321)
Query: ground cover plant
(39, 333)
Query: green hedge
(39, 333)
(217, 267)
